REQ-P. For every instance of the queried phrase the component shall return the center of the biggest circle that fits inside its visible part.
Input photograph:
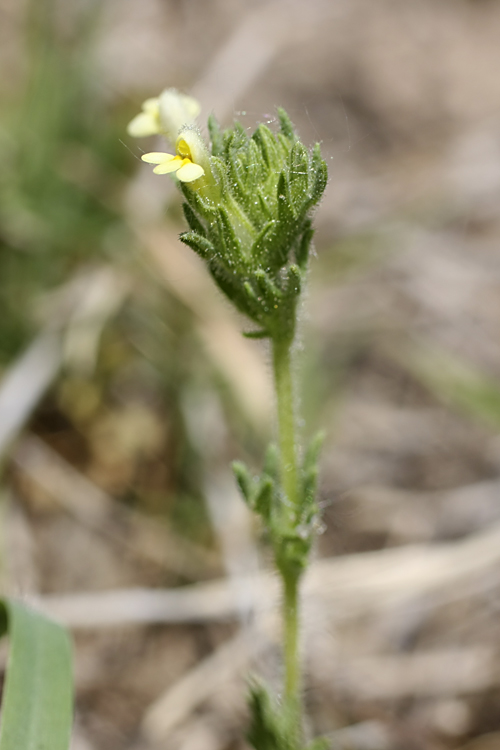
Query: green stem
(286, 420)
(292, 666)
(288, 458)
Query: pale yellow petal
(142, 125)
(151, 106)
(157, 157)
(191, 105)
(190, 172)
(169, 166)
(174, 111)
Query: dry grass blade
(444, 672)
(209, 602)
(25, 383)
(349, 585)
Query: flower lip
(186, 170)
(191, 160)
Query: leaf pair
(291, 529)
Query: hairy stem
(288, 458)
(292, 666)
(286, 421)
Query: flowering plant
(248, 205)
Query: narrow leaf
(245, 482)
(199, 244)
(272, 462)
(262, 334)
(193, 222)
(264, 498)
(286, 124)
(216, 137)
(265, 139)
(319, 173)
(299, 175)
(229, 242)
(302, 252)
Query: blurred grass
(63, 166)
(454, 382)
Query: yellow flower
(148, 121)
(165, 114)
(190, 162)
(176, 111)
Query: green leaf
(267, 288)
(245, 482)
(196, 203)
(264, 498)
(215, 136)
(302, 252)
(258, 251)
(199, 244)
(265, 139)
(313, 451)
(229, 242)
(272, 462)
(193, 222)
(234, 290)
(319, 173)
(286, 124)
(261, 334)
(37, 706)
(299, 175)
(269, 728)
(292, 281)
(236, 171)
(310, 475)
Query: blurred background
(126, 387)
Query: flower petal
(190, 143)
(169, 166)
(143, 124)
(174, 111)
(191, 105)
(157, 157)
(190, 172)
(152, 106)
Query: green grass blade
(37, 705)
